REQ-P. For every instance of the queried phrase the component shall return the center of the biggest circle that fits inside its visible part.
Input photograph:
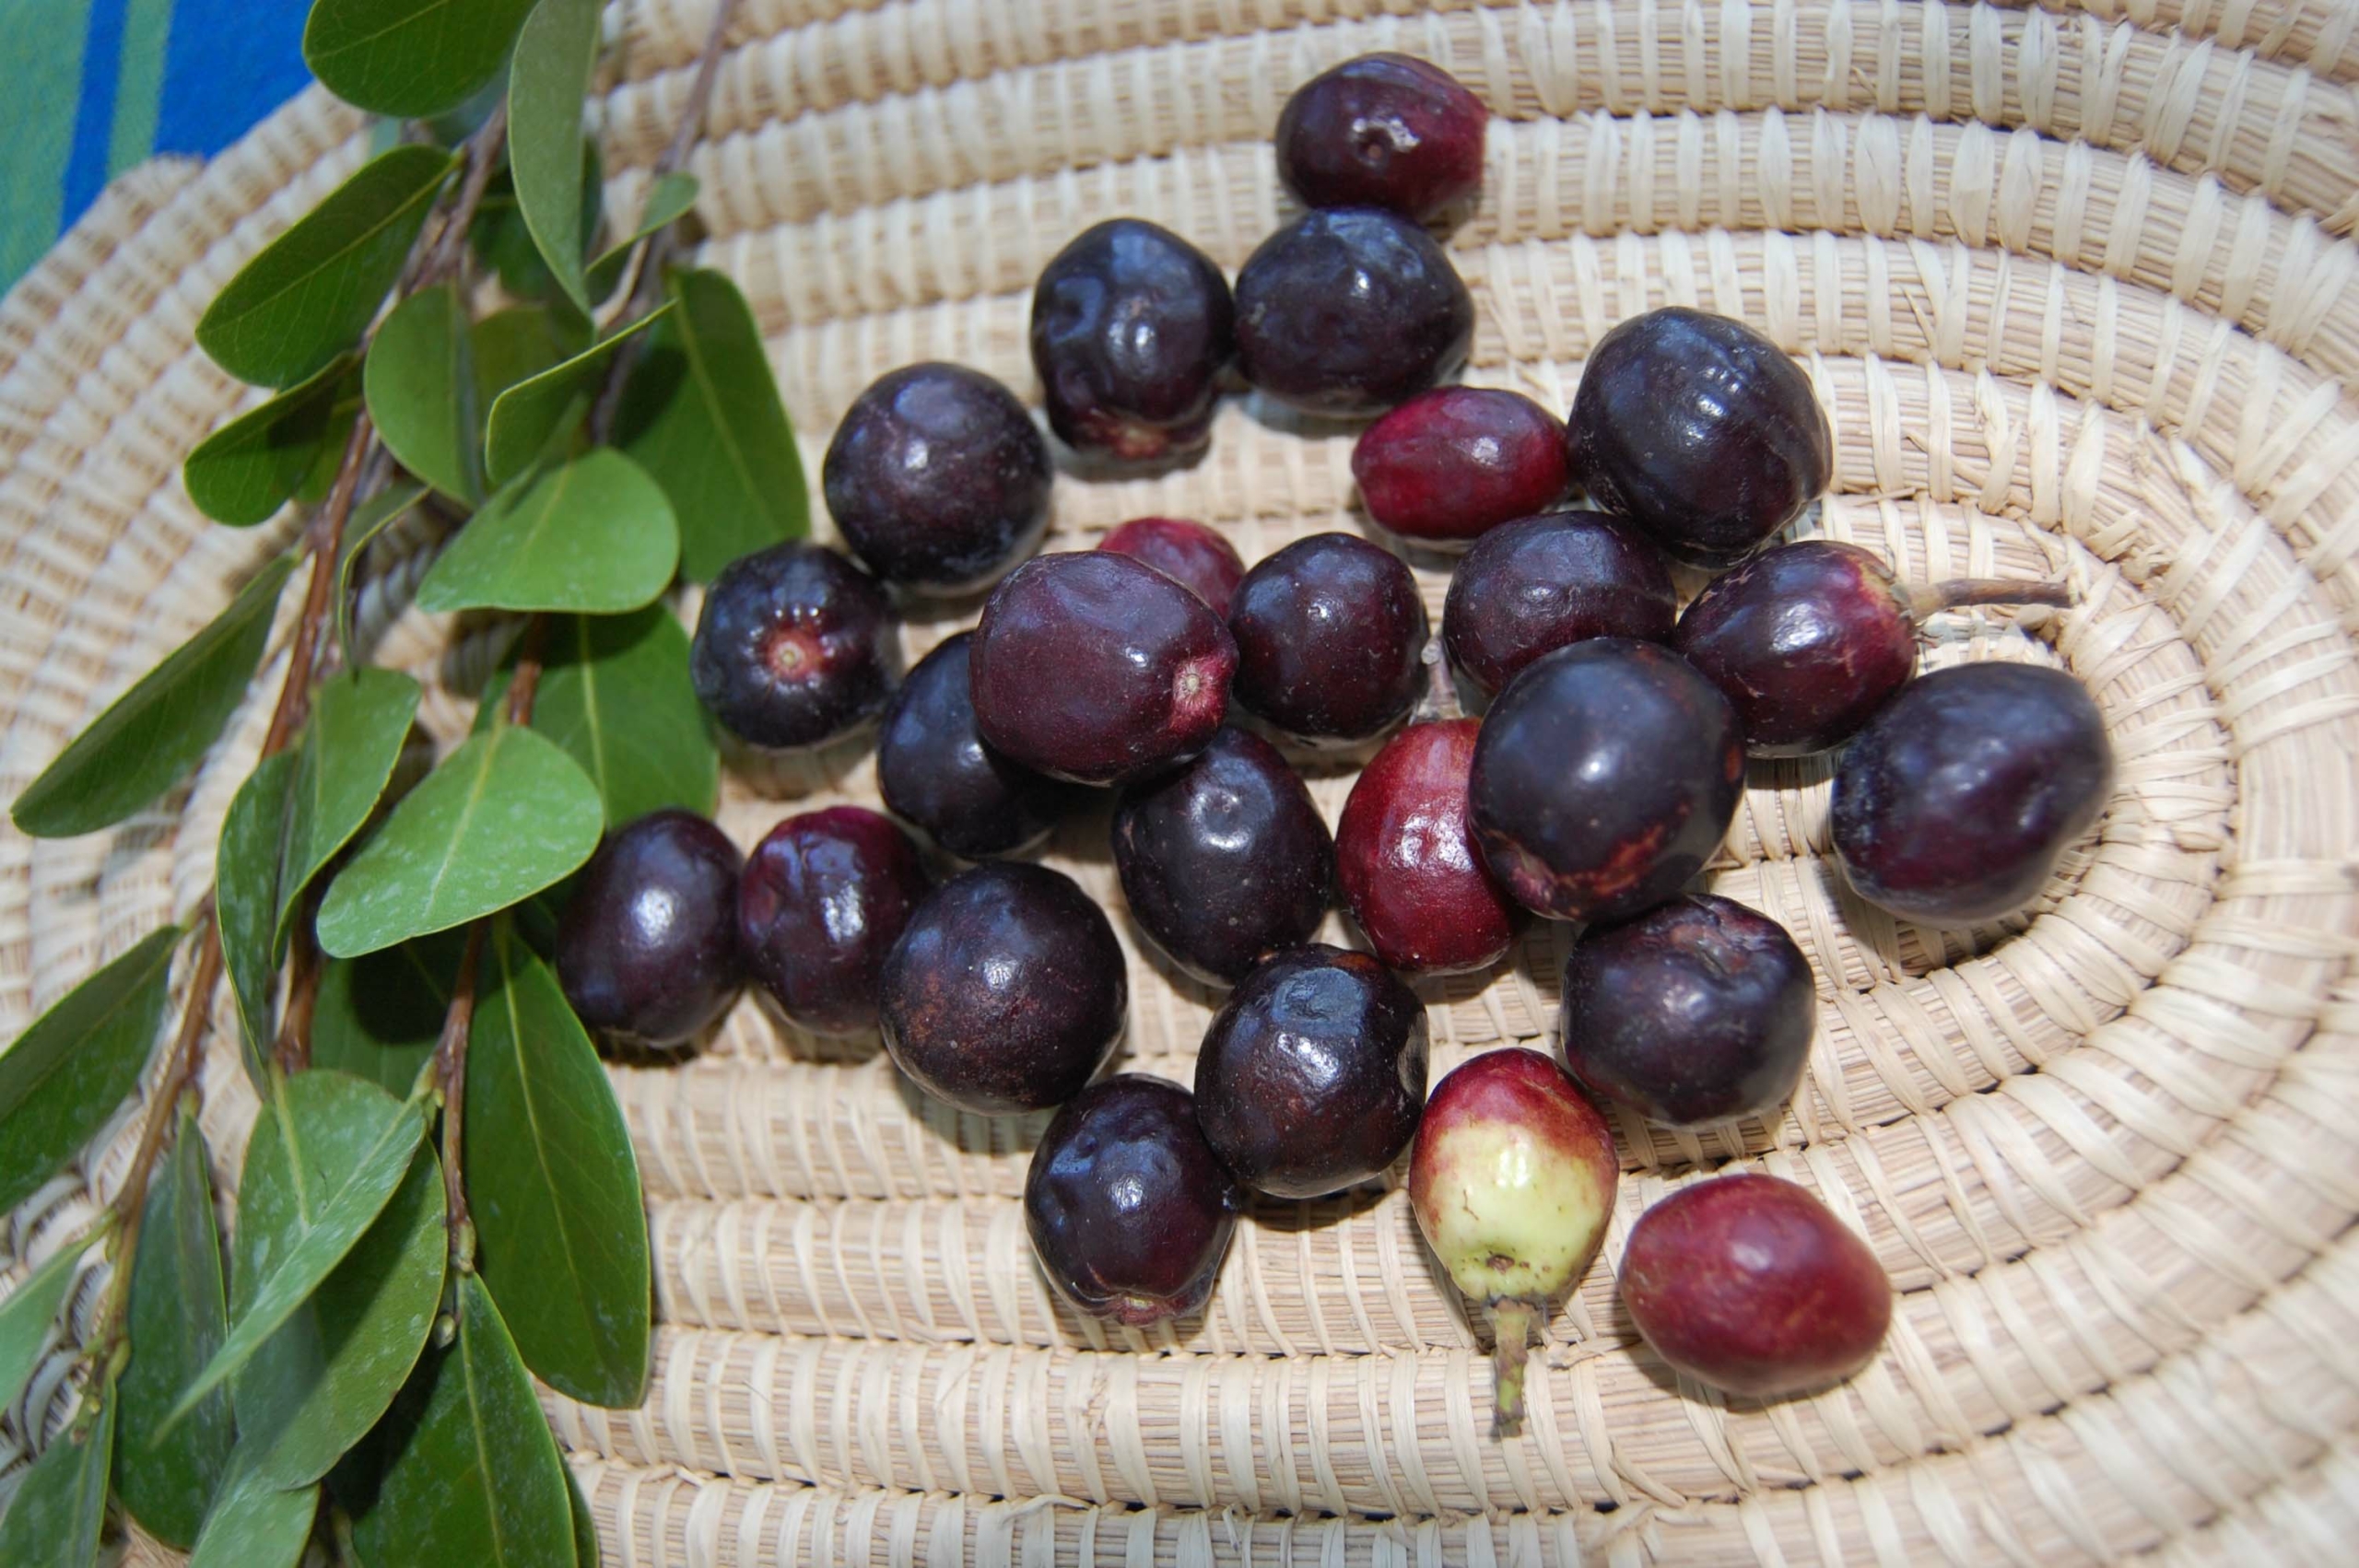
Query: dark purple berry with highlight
(824, 899)
(795, 647)
(937, 773)
(1329, 634)
(1345, 314)
(1382, 130)
(1131, 328)
(647, 946)
(1531, 587)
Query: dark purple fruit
(1533, 587)
(938, 478)
(1698, 1011)
(1348, 313)
(1129, 1208)
(1407, 861)
(1132, 327)
(1313, 1076)
(1449, 464)
(1702, 430)
(1005, 992)
(647, 947)
(1605, 776)
(1382, 130)
(1092, 666)
(936, 773)
(1808, 640)
(1956, 801)
(1328, 632)
(795, 645)
(823, 900)
(1198, 558)
(1225, 858)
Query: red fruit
(1451, 462)
(1191, 554)
(1407, 860)
(1384, 131)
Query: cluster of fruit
(1603, 776)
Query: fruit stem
(1511, 1322)
(1961, 593)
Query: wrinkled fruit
(1132, 327)
(1534, 585)
(1382, 130)
(1347, 312)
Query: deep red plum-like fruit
(1698, 1011)
(823, 899)
(1956, 801)
(1406, 858)
(1749, 1284)
(1809, 639)
(1093, 666)
(936, 772)
(1452, 463)
(1700, 429)
(1330, 633)
(1313, 1075)
(1198, 558)
(1382, 130)
(1129, 1208)
(1542, 583)
(795, 647)
(1132, 327)
(647, 946)
(938, 478)
(1605, 776)
(1224, 857)
(1006, 990)
(1347, 312)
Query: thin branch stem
(450, 1071)
(1960, 593)
(450, 250)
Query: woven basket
(2073, 289)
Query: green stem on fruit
(1511, 1324)
(1962, 592)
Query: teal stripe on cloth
(139, 82)
(46, 41)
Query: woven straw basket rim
(2075, 290)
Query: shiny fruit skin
(1312, 1076)
(1749, 1284)
(1956, 802)
(1129, 1209)
(1698, 1011)
(1701, 430)
(1132, 327)
(647, 946)
(937, 478)
(1330, 633)
(795, 647)
(1406, 858)
(1605, 776)
(1345, 314)
(1452, 463)
(823, 899)
(1224, 857)
(1531, 587)
(1382, 130)
(936, 773)
(1092, 666)
(1006, 990)
(1198, 558)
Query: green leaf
(615, 693)
(670, 199)
(314, 289)
(369, 519)
(328, 460)
(245, 472)
(421, 386)
(55, 1521)
(504, 243)
(245, 901)
(378, 1017)
(325, 1157)
(321, 1382)
(138, 747)
(560, 1223)
(65, 1075)
(555, 54)
(177, 1317)
(531, 415)
(358, 723)
(585, 1527)
(504, 816)
(409, 59)
(514, 346)
(702, 414)
(596, 535)
(474, 1474)
(30, 1312)
(256, 1525)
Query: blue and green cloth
(97, 85)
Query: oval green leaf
(504, 816)
(421, 381)
(256, 1525)
(702, 416)
(177, 1317)
(409, 59)
(560, 1223)
(55, 1518)
(503, 242)
(615, 693)
(585, 1526)
(378, 1017)
(326, 1155)
(245, 902)
(555, 54)
(151, 735)
(514, 346)
(65, 1075)
(245, 472)
(596, 535)
(30, 1312)
(312, 291)
(530, 415)
(360, 720)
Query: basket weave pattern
(2074, 289)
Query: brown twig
(449, 248)
(450, 1071)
